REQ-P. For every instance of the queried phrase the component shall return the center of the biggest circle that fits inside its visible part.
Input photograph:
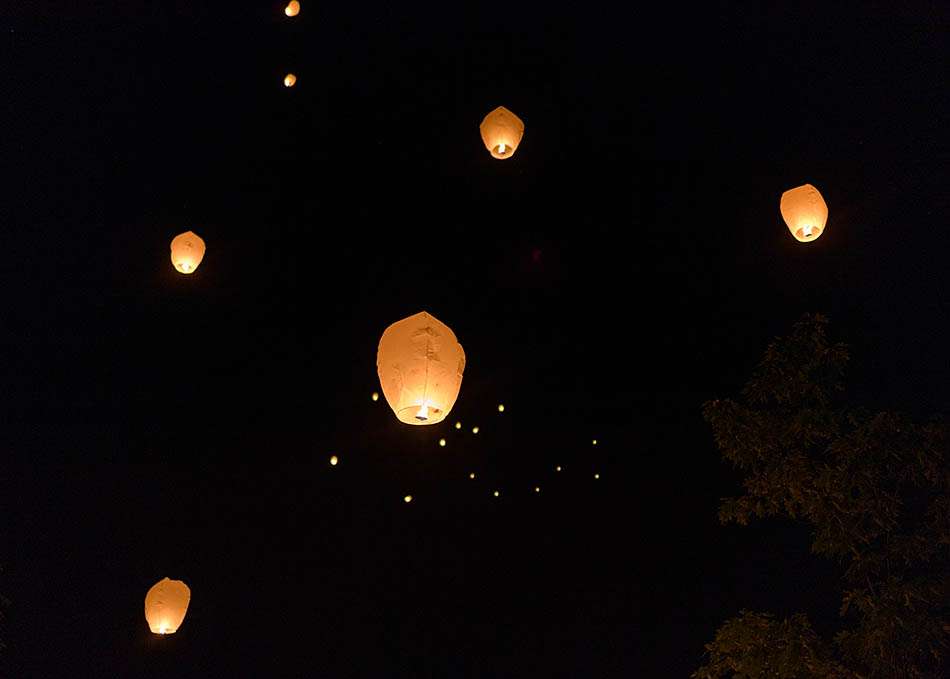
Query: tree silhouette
(875, 489)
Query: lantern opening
(501, 150)
(423, 413)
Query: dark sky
(628, 263)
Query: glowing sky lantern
(420, 365)
(292, 9)
(290, 80)
(805, 212)
(458, 425)
(375, 396)
(474, 430)
(166, 604)
(407, 499)
(501, 407)
(187, 251)
(472, 475)
(502, 131)
(334, 460)
(442, 442)
(497, 493)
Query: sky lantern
(187, 251)
(502, 131)
(497, 493)
(375, 396)
(458, 425)
(805, 212)
(407, 499)
(420, 364)
(166, 604)
(334, 460)
(290, 80)
(292, 9)
(474, 430)
(442, 442)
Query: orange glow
(187, 251)
(407, 499)
(290, 80)
(334, 460)
(165, 605)
(805, 212)
(375, 396)
(292, 9)
(420, 364)
(501, 132)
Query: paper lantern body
(420, 365)
(805, 212)
(187, 251)
(290, 80)
(166, 604)
(502, 131)
(292, 9)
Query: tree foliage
(875, 489)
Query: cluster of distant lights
(335, 459)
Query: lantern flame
(423, 413)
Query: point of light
(375, 396)
(442, 442)
(596, 476)
(501, 407)
(407, 499)
(537, 489)
(472, 475)
(558, 468)
(496, 493)
(292, 9)
(594, 442)
(334, 460)
(458, 425)
(474, 430)
(289, 80)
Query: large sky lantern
(292, 9)
(805, 212)
(502, 131)
(166, 604)
(420, 364)
(187, 251)
(290, 80)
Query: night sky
(627, 264)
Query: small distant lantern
(502, 131)
(558, 468)
(420, 364)
(805, 212)
(442, 442)
(165, 605)
(501, 407)
(596, 476)
(497, 493)
(474, 430)
(537, 489)
(407, 499)
(472, 475)
(290, 80)
(334, 460)
(292, 9)
(187, 251)
(375, 396)
(458, 425)
(594, 442)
